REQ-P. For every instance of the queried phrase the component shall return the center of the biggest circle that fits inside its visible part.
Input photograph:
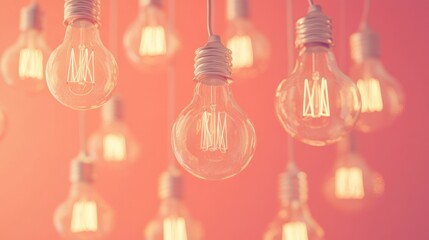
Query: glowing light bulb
(84, 215)
(148, 41)
(294, 221)
(81, 73)
(113, 143)
(213, 138)
(382, 96)
(250, 49)
(317, 104)
(23, 64)
(353, 185)
(173, 221)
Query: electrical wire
(365, 13)
(209, 18)
(311, 2)
(113, 30)
(82, 132)
(290, 54)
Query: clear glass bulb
(250, 49)
(173, 223)
(213, 138)
(148, 41)
(81, 73)
(317, 104)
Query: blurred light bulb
(317, 104)
(84, 215)
(294, 221)
(250, 49)
(382, 96)
(148, 41)
(213, 138)
(173, 221)
(113, 143)
(81, 73)
(352, 185)
(23, 64)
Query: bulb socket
(364, 44)
(314, 28)
(82, 170)
(293, 186)
(237, 9)
(31, 18)
(144, 3)
(112, 110)
(171, 184)
(82, 10)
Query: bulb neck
(112, 111)
(237, 9)
(293, 187)
(364, 45)
(75, 10)
(81, 170)
(171, 185)
(314, 28)
(144, 3)
(31, 18)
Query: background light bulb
(352, 185)
(81, 73)
(23, 64)
(148, 41)
(84, 215)
(250, 49)
(173, 221)
(213, 138)
(294, 221)
(382, 96)
(113, 143)
(317, 104)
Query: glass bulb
(250, 49)
(317, 104)
(81, 73)
(213, 138)
(173, 223)
(148, 41)
(84, 215)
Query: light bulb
(81, 73)
(352, 185)
(212, 137)
(382, 96)
(148, 41)
(173, 221)
(250, 49)
(113, 143)
(317, 104)
(84, 215)
(23, 64)
(294, 221)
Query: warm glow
(114, 148)
(370, 93)
(214, 131)
(316, 98)
(153, 41)
(242, 51)
(295, 231)
(31, 63)
(175, 229)
(81, 74)
(84, 217)
(349, 183)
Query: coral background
(42, 135)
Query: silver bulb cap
(293, 186)
(157, 3)
(237, 9)
(82, 170)
(31, 17)
(364, 44)
(112, 110)
(82, 10)
(314, 28)
(171, 184)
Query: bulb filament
(349, 183)
(175, 229)
(114, 148)
(153, 41)
(294, 231)
(84, 217)
(81, 72)
(316, 98)
(214, 131)
(31, 63)
(242, 51)
(370, 93)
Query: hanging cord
(209, 18)
(82, 133)
(171, 89)
(365, 13)
(113, 30)
(290, 55)
(342, 39)
(311, 2)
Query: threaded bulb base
(314, 28)
(82, 9)
(293, 186)
(31, 17)
(364, 45)
(171, 185)
(81, 170)
(237, 9)
(157, 3)
(112, 110)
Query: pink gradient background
(42, 135)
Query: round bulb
(81, 73)
(317, 104)
(148, 42)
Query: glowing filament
(114, 148)
(316, 98)
(294, 231)
(153, 41)
(31, 63)
(242, 51)
(214, 131)
(370, 93)
(175, 229)
(81, 74)
(84, 217)
(349, 183)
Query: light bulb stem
(237, 9)
(82, 9)
(314, 29)
(31, 17)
